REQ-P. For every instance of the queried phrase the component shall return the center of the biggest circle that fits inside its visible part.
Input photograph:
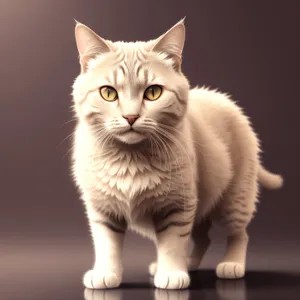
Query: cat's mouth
(131, 136)
(133, 130)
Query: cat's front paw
(172, 280)
(94, 279)
(152, 268)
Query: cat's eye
(108, 93)
(153, 92)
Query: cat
(157, 157)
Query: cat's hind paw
(101, 280)
(230, 270)
(172, 280)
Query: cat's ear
(172, 43)
(89, 44)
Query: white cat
(152, 155)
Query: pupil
(152, 89)
(108, 92)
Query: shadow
(138, 285)
(206, 285)
(207, 279)
(256, 284)
(269, 279)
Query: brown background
(249, 49)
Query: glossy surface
(52, 269)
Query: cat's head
(130, 91)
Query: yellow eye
(108, 93)
(153, 92)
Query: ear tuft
(182, 21)
(76, 22)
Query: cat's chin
(131, 137)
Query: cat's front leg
(173, 231)
(108, 232)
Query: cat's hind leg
(201, 243)
(234, 262)
(236, 211)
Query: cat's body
(201, 166)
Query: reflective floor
(52, 270)
(257, 285)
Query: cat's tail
(269, 180)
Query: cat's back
(218, 113)
(213, 107)
(222, 133)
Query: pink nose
(131, 118)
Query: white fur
(207, 159)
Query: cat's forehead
(137, 52)
(130, 62)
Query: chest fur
(126, 177)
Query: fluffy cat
(154, 156)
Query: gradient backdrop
(249, 49)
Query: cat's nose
(131, 118)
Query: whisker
(67, 137)
(71, 120)
(71, 149)
(183, 151)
